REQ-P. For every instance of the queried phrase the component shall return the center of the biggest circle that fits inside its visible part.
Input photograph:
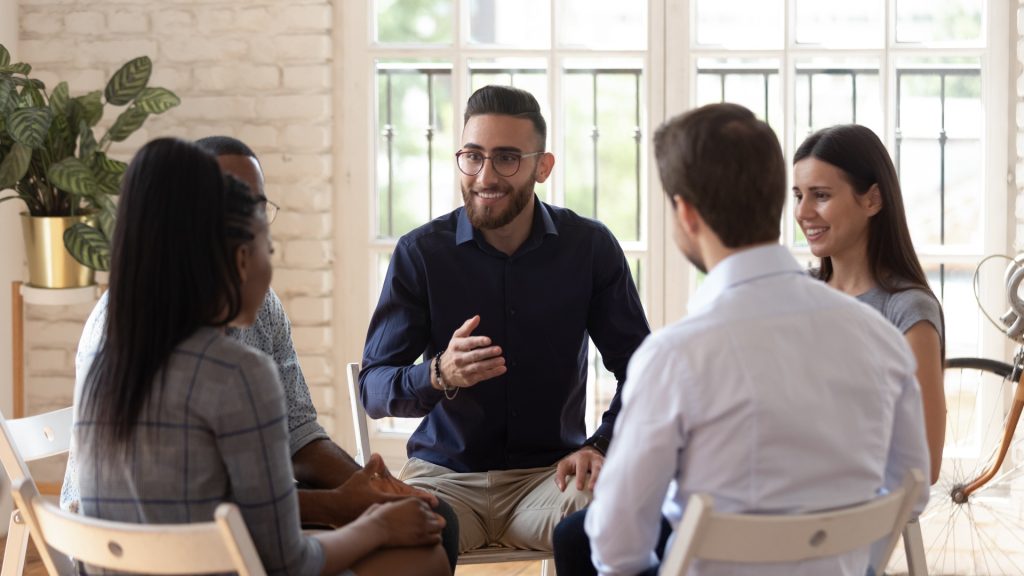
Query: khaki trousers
(512, 508)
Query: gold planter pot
(49, 263)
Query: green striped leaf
(86, 142)
(108, 184)
(28, 83)
(88, 245)
(31, 96)
(109, 173)
(59, 99)
(30, 125)
(5, 56)
(71, 175)
(156, 100)
(102, 163)
(88, 107)
(61, 142)
(19, 68)
(128, 81)
(14, 165)
(8, 97)
(107, 216)
(126, 124)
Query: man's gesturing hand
(469, 359)
(584, 463)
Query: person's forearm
(345, 546)
(322, 464)
(319, 467)
(402, 391)
(317, 508)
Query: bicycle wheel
(982, 534)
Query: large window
(916, 73)
(930, 77)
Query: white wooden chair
(913, 546)
(223, 545)
(488, 555)
(24, 440)
(754, 538)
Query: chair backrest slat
(21, 441)
(362, 429)
(223, 545)
(757, 538)
(781, 538)
(32, 438)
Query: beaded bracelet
(450, 392)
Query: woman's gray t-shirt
(905, 308)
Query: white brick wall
(1017, 155)
(259, 70)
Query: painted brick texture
(1017, 155)
(259, 70)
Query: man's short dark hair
(728, 165)
(507, 101)
(226, 146)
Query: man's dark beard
(486, 219)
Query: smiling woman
(849, 205)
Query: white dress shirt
(777, 394)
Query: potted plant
(52, 161)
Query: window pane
(964, 192)
(751, 83)
(965, 117)
(830, 92)
(603, 144)
(938, 20)
(415, 21)
(952, 283)
(939, 150)
(920, 180)
(586, 23)
(530, 74)
(414, 164)
(524, 23)
(740, 23)
(840, 23)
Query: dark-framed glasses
(506, 164)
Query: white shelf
(58, 296)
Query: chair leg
(913, 544)
(17, 546)
(547, 568)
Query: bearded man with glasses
(500, 298)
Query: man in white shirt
(776, 394)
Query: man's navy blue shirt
(569, 280)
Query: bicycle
(974, 522)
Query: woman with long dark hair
(850, 208)
(174, 417)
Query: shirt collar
(543, 224)
(743, 267)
